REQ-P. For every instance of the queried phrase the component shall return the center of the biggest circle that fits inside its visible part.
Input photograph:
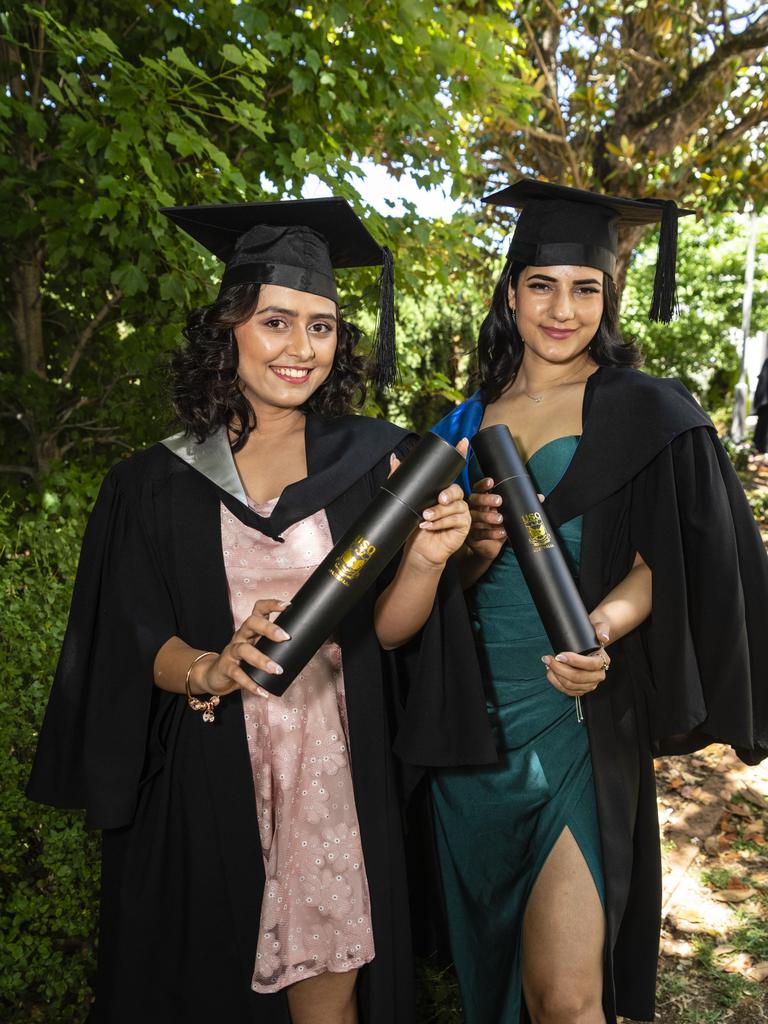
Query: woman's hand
(443, 528)
(577, 674)
(487, 535)
(223, 674)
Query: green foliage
(700, 346)
(102, 126)
(50, 865)
(437, 995)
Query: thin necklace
(557, 384)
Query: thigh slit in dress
(496, 826)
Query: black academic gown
(183, 872)
(650, 475)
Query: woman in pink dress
(253, 869)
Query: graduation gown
(183, 874)
(649, 475)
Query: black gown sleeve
(707, 637)
(443, 721)
(441, 716)
(92, 749)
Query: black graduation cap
(296, 243)
(559, 225)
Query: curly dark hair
(500, 347)
(205, 388)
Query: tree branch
(540, 133)
(753, 38)
(24, 470)
(551, 85)
(87, 333)
(755, 117)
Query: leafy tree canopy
(102, 126)
(643, 98)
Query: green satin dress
(496, 826)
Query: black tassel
(384, 355)
(664, 306)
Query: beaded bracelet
(206, 706)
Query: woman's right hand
(487, 535)
(223, 674)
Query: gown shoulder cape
(182, 871)
(649, 475)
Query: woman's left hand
(444, 526)
(577, 674)
(443, 529)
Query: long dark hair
(205, 388)
(500, 347)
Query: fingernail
(545, 659)
(274, 668)
(392, 458)
(603, 636)
(425, 526)
(429, 514)
(284, 604)
(444, 498)
(561, 657)
(282, 635)
(496, 499)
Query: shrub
(50, 864)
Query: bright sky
(379, 189)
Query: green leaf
(232, 54)
(181, 60)
(129, 279)
(100, 37)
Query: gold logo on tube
(348, 566)
(538, 535)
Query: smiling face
(558, 310)
(286, 348)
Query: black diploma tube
(535, 544)
(360, 556)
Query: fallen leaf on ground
(677, 947)
(690, 921)
(739, 963)
(759, 972)
(697, 793)
(733, 895)
(723, 950)
(739, 810)
(755, 796)
(753, 828)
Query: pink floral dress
(315, 913)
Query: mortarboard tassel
(664, 306)
(383, 351)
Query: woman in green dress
(550, 859)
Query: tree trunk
(26, 280)
(629, 238)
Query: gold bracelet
(206, 706)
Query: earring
(513, 311)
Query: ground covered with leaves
(713, 812)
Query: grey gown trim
(213, 458)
